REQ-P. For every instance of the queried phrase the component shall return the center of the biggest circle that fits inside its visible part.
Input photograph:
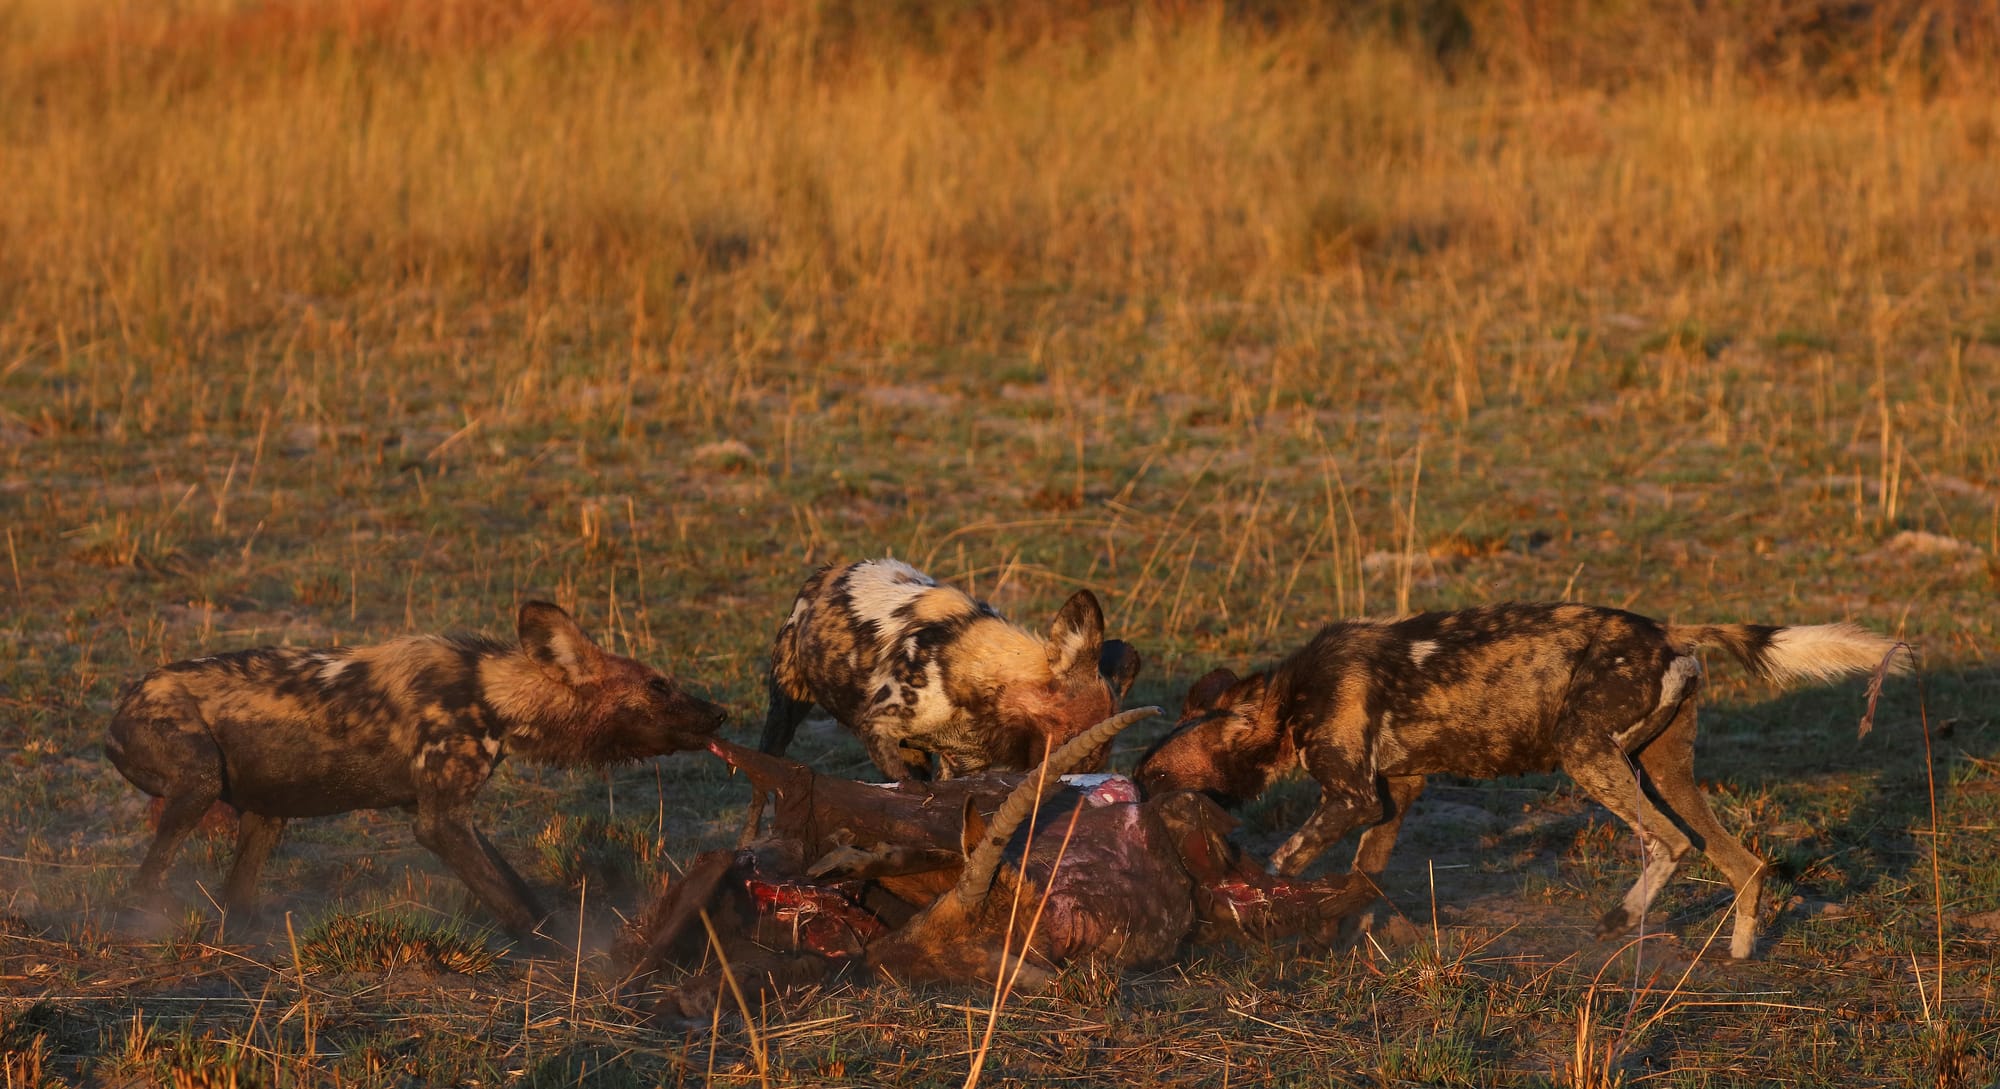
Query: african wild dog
(1371, 707)
(421, 722)
(915, 668)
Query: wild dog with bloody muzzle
(915, 668)
(418, 722)
(1370, 707)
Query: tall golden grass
(519, 193)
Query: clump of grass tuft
(1592, 1060)
(1956, 1058)
(25, 1050)
(1447, 1058)
(385, 940)
(613, 856)
(605, 1067)
(179, 1060)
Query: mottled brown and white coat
(1370, 707)
(418, 722)
(917, 669)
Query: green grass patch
(385, 941)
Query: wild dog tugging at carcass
(281, 732)
(916, 669)
(1370, 707)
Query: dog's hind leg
(1603, 771)
(174, 758)
(1399, 791)
(1669, 764)
(256, 834)
(179, 817)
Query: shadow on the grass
(1835, 815)
(1803, 746)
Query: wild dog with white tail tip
(418, 722)
(915, 668)
(1371, 707)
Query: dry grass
(329, 320)
(621, 201)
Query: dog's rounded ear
(1207, 693)
(1077, 635)
(1119, 665)
(1246, 697)
(552, 638)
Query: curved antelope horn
(977, 878)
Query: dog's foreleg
(1340, 809)
(447, 831)
(449, 773)
(522, 893)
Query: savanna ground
(329, 321)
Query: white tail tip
(1828, 652)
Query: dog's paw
(1615, 922)
(149, 920)
(248, 917)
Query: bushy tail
(782, 719)
(1815, 652)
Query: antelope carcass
(968, 878)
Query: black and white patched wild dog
(281, 732)
(914, 668)
(1370, 707)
